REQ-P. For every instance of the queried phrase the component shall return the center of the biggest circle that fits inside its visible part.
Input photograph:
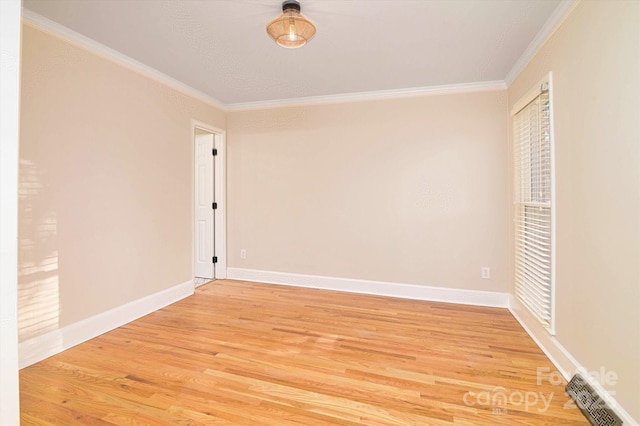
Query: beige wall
(595, 60)
(105, 184)
(408, 190)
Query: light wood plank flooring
(241, 353)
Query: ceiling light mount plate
(290, 4)
(291, 29)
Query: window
(534, 203)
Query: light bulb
(292, 29)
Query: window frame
(522, 103)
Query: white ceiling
(220, 47)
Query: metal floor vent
(590, 403)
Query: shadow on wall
(38, 287)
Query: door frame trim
(220, 197)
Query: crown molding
(374, 95)
(38, 21)
(553, 23)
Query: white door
(204, 208)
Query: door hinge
(214, 205)
(214, 259)
(214, 151)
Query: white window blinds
(534, 241)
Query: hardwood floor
(240, 353)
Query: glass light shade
(291, 29)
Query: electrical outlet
(243, 254)
(485, 272)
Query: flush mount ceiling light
(291, 29)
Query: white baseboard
(46, 345)
(556, 353)
(380, 288)
(561, 358)
(197, 281)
